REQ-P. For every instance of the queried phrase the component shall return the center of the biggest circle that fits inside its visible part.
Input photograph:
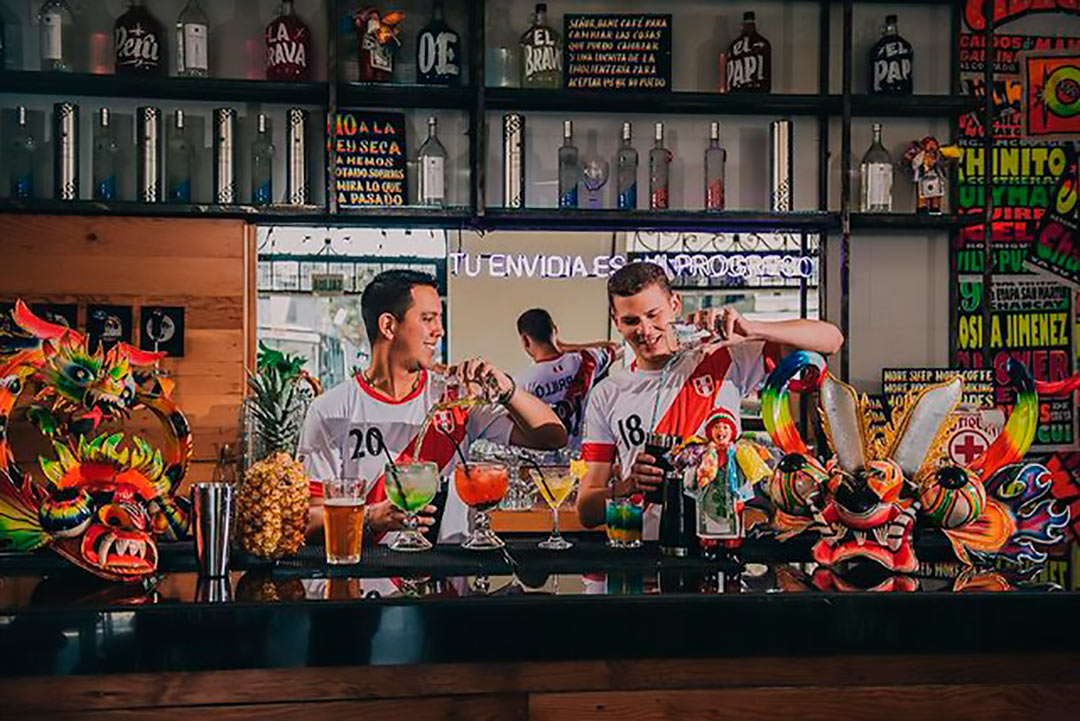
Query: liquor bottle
(437, 51)
(178, 153)
(288, 47)
(659, 164)
(626, 162)
(715, 158)
(57, 35)
(192, 42)
(890, 61)
(876, 174)
(262, 165)
(749, 60)
(106, 158)
(23, 150)
(569, 168)
(541, 53)
(139, 42)
(431, 189)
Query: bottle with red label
(139, 42)
(749, 60)
(288, 47)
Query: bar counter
(589, 633)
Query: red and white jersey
(564, 384)
(347, 427)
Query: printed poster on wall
(370, 152)
(617, 52)
(1055, 251)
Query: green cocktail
(410, 486)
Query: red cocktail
(481, 487)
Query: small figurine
(375, 35)
(927, 159)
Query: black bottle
(139, 42)
(438, 52)
(678, 516)
(749, 60)
(891, 60)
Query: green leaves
(277, 404)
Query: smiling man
(671, 392)
(351, 430)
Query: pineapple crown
(279, 398)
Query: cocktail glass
(625, 519)
(410, 486)
(594, 173)
(481, 487)
(554, 484)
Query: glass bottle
(106, 158)
(57, 35)
(23, 149)
(139, 42)
(715, 159)
(288, 47)
(541, 53)
(437, 51)
(262, 164)
(178, 154)
(659, 165)
(192, 41)
(891, 61)
(431, 189)
(876, 175)
(626, 164)
(749, 60)
(569, 168)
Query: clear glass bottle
(876, 175)
(749, 60)
(437, 51)
(431, 158)
(626, 165)
(891, 61)
(139, 42)
(541, 53)
(569, 168)
(715, 159)
(57, 35)
(192, 42)
(659, 166)
(262, 164)
(178, 153)
(23, 149)
(288, 47)
(106, 158)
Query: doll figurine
(927, 159)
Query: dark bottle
(139, 42)
(749, 60)
(657, 445)
(437, 51)
(288, 47)
(678, 516)
(890, 62)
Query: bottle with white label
(876, 174)
(891, 61)
(139, 42)
(192, 42)
(431, 158)
(57, 35)
(437, 51)
(541, 53)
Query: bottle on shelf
(541, 53)
(891, 61)
(749, 60)
(876, 177)
(659, 166)
(431, 188)
(626, 166)
(437, 51)
(192, 42)
(569, 168)
(139, 42)
(57, 35)
(106, 159)
(715, 159)
(288, 47)
(23, 152)
(262, 164)
(178, 155)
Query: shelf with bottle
(913, 222)
(683, 220)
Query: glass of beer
(410, 486)
(481, 486)
(343, 520)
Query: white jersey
(564, 384)
(347, 428)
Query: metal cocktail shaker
(211, 506)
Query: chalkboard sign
(978, 384)
(370, 151)
(629, 52)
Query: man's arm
(535, 423)
(616, 349)
(801, 334)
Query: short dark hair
(635, 277)
(537, 324)
(390, 292)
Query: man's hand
(477, 370)
(727, 324)
(645, 475)
(384, 516)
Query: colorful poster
(162, 329)
(617, 52)
(107, 325)
(370, 152)
(1055, 250)
(1052, 95)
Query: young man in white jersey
(562, 374)
(351, 430)
(668, 392)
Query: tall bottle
(659, 165)
(749, 60)
(23, 151)
(288, 47)
(437, 54)
(569, 168)
(139, 42)
(178, 154)
(541, 53)
(876, 175)
(106, 158)
(891, 61)
(626, 166)
(431, 189)
(192, 42)
(262, 164)
(715, 159)
(57, 35)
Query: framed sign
(108, 325)
(161, 328)
(370, 153)
(630, 52)
(978, 383)
(65, 314)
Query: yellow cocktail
(554, 483)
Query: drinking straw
(393, 472)
(457, 447)
(543, 481)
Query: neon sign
(716, 266)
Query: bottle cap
(890, 19)
(748, 16)
(103, 117)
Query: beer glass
(343, 519)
